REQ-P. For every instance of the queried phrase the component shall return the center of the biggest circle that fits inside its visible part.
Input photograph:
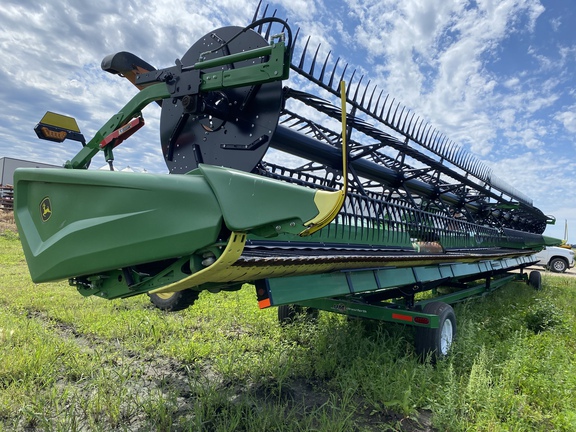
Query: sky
(496, 76)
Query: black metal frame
(394, 151)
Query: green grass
(73, 363)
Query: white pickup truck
(556, 259)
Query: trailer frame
(394, 294)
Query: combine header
(380, 207)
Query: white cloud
(568, 119)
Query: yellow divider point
(229, 256)
(330, 203)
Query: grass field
(69, 363)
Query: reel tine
(457, 157)
(483, 170)
(357, 88)
(314, 61)
(479, 168)
(294, 42)
(384, 106)
(443, 149)
(469, 163)
(375, 110)
(301, 64)
(414, 131)
(427, 132)
(475, 166)
(451, 151)
(350, 83)
(456, 154)
(433, 138)
(432, 145)
(447, 149)
(321, 78)
(410, 123)
(371, 98)
(404, 124)
(333, 71)
(418, 136)
(436, 141)
(256, 11)
(440, 143)
(430, 137)
(466, 160)
(485, 174)
(389, 109)
(270, 26)
(364, 95)
(421, 134)
(263, 15)
(394, 117)
(342, 76)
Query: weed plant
(73, 363)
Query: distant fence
(6, 197)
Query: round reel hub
(235, 125)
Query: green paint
(296, 289)
(259, 204)
(381, 312)
(109, 220)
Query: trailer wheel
(535, 280)
(287, 314)
(558, 265)
(436, 342)
(174, 301)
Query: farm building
(7, 168)
(9, 165)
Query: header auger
(382, 206)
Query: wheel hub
(446, 337)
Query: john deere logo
(45, 209)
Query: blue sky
(496, 76)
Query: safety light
(58, 127)
(422, 320)
(401, 317)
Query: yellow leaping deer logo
(45, 209)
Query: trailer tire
(436, 343)
(174, 301)
(535, 280)
(558, 265)
(287, 314)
